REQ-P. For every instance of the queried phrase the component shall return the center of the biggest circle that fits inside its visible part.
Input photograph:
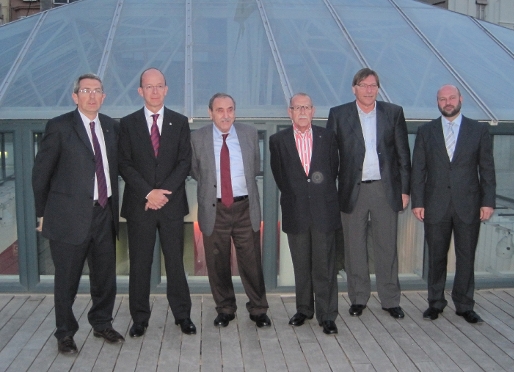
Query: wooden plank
(190, 348)
(495, 317)
(375, 354)
(19, 348)
(108, 356)
(416, 330)
(4, 300)
(9, 323)
(211, 341)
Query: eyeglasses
(89, 91)
(299, 108)
(150, 88)
(366, 86)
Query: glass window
(8, 226)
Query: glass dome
(259, 51)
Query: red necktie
(154, 135)
(227, 196)
(99, 168)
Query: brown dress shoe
(66, 345)
(110, 335)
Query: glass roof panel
(318, 59)
(485, 67)
(503, 34)
(67, 45)
(146, 38)
(231, 54)
(410, 73)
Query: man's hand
(486, 213)
(419, 213)
(157, 199)
(39, 227)
(405, 200)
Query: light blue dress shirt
(371, 165)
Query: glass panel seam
(110, 38)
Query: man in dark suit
(453, 189)
(155, 158)
(75, 183)
(374, 171)
(305, 162)
(226, 161)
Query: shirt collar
(87, 120)
(456, 122)
(218, 133)
(372, 112)
(299, 132)
(148, 113)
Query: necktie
(227, 197)
(450, 141)
(99, 168)
(154, 135)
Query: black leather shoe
(329, 327)
(261, 320)
(110, 335)
(223, 319)
(66, 345)
(137, 330)
(431, 313)
(187, 326)
(395, 312)
(298, 319)
(356, 310)
(470, 316)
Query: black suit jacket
(143, 172)
(392, 148)
(468, 181)
(306, 200)
(64, 174)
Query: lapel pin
(171, 124)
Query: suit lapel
(110, 143)
(141, 128)
(355, 123)
(316, 143)
(81, 131)
(464, 132)
(438, 140)
(166, 134)
(290, 145)
(381, 122)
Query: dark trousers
(142, 237)
(315, 274)
(234, 224)
(438, 236)
(371, 204)
(100, 251)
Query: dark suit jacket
(392, 148)
(143, 172)
(436, 181)
(306, 201)
(64, 173)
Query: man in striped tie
(305, 161)
(453, 189)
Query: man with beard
(453, 188)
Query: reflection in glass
(8, 227)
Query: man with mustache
(453, 190)
(226, 161)
(374, 176)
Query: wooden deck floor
(373, 342)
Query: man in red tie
(78, 199)
(226, 161)
(155, 158)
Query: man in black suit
(155, 158)
(305, 162)
(374, 171)
(75, 183)
(453, 189)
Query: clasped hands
(157, 199)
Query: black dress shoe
(470, 316)
(110, 335)
(356, 310)
(298, 319)
(66, 345)
(432, 313)
(137, 330)
(187, 326)
(223, 319)
(395, 312)
(261, 320)
(329, 327)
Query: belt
(96, 204)
(369, 181)
(237, 198)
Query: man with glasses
(155, 158)
(305, 162)
(373, 183)
(75, 183)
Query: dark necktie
(154, 135)
(99, 168)
(227, 196)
